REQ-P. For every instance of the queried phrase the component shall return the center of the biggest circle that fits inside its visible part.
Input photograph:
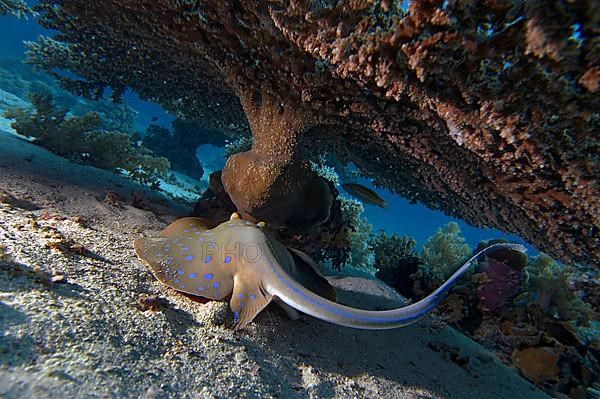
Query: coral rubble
(484, 110)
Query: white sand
(87, 337)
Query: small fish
(238, 259)
(364, 194)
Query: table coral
(483, 110)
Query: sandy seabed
(81, 317)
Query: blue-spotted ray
(239, 258)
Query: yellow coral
(444, 252)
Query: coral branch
(15, 7)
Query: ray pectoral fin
(156, 253)
(185, 226)
(248, 299)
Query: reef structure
(487, 111)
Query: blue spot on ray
(208, 276)
(180, 272)
(192, 275)
(189, 257)
(252, 296)
(240, 296)
(186, 231)
(227, 259)
(176, 280)
(216, 285)
(201, 288)
(185, 248)
(207, 259)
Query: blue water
(14, 32)
(420, 222)
(400, 216)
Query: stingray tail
(295, 295)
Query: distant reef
(485, 110)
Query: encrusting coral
(273, 180)
(81, 139)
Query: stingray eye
(234, 215)
(261, 225)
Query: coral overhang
(485, 110)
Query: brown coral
(537, 364)
(272, 181)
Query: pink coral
(501, 286)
